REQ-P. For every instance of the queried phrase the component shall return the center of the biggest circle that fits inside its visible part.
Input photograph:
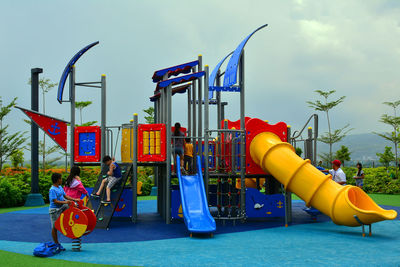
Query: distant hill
(363, 147)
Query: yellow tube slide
(341, 203)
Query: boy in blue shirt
(114, 176)
(58, 204)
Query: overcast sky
(352, 47)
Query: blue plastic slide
(194, 202)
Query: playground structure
(233, 161)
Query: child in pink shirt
(73, 186)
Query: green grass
(380, 199)
(4, 210)
(385, 199)
(15, 259)
(147, 197)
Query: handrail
(305, 125)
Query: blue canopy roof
(233, 88)
(67, 70)
(175, 70)
(230, 77)
(213, 76)
(181, 79)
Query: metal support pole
(156, 120)
(168, 166)
(219, 115)
(164, 106)
(134, 168)
(315, 137)
(288, 194)
(189, 128)
(34, 198)
(72, 101)
(222, 112)
(163, 96)
(161, 108)
(309, 146)
(224, 143)
(218, 98)
(200, 121)
(103, 117)
(164, 172)
(35, 131)
(194, 121)
(155, 105)
(206, 128)
(243, 135)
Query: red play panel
(87, 144)
(151, 142)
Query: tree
(150, 115)
(80, 105)
(324, 157)
(48, 151)
(9, 143)
(299, 151)
(17, 158)
(386, 157)
(330, 137)
(343, 154)
(394, 122)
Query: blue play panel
(264, 242)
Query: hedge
(15, 185)
(377, 180)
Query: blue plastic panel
(181, 79)
(230, 77)
(176, 205)
(87, 144)
(259, 205)
(67, 70)
(211, 156)
(213, 75)
(124, 206)
(175, 70)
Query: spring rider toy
(76, 222)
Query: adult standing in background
(359, 176)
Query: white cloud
(318, 34)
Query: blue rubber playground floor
(151, 242)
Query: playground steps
(104, 212)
